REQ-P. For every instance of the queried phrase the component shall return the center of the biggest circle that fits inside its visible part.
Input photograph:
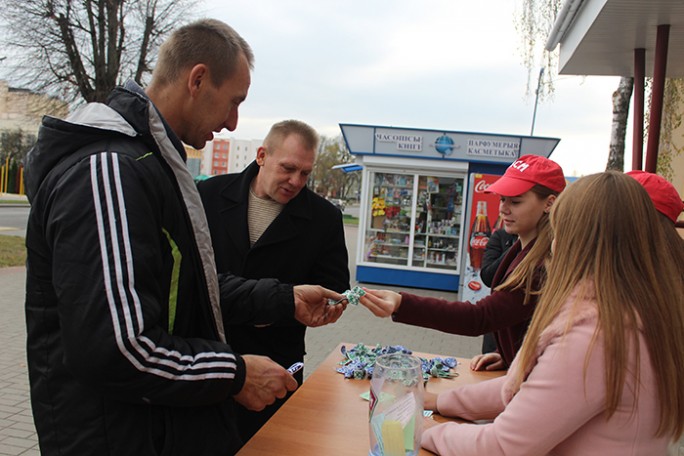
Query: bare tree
(326, 181)
(81, 49)
(621, 97)
(14, 144)
(535, 23)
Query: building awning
(348, 167)
(598, 37)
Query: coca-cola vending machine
(484, 207)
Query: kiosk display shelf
(414, 221)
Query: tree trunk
(621, 97)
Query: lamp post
(536, 99)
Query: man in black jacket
(265, 222)
(126, 348)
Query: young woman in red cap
(600, 369)
(528, 189)
(667, 202)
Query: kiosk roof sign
(443, 145)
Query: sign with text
(442, 145)
(402, 141)
(488, 147)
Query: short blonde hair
(281, 130)
(206, 41)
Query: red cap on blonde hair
(663, 194)
(525, 173)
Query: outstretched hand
(265, 380)
(312, 308)
(383, 303)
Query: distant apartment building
(216, 156)
(225, 155)
(23, 109)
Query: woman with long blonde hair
(600, 370)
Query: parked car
(338, 203)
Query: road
(13, 220)
(352, 209)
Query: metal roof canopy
(598, 37)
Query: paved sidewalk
(17, 433)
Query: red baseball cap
(525, 173)
(663, 194)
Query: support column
(638, 115)
(659, 71)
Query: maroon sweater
(502, 312)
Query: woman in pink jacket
(600, 371)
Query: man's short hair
(206, 41)
(281, 130)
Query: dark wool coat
(303, 245)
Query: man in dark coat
(265, 223)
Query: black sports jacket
(126, 349)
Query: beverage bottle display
(499, 225)
(479, 235)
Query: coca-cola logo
(475, 286)
(479, 242)
(481, 186)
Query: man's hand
(312, 308)
(488, 362)
(265, 381)
(383, 303)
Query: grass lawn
(13, 201)
(12, 251)
(350, 220)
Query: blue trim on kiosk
(402, 277)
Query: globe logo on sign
(444, 145)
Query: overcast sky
(435, 64)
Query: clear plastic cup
(396, 405)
